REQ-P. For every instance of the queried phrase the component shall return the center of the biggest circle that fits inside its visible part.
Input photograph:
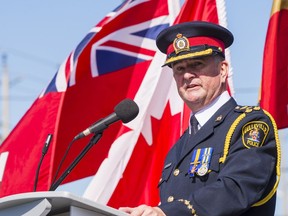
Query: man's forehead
(191, 60)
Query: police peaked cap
(192, 40)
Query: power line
(19, 98)
(30, 57)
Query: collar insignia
(219, 118)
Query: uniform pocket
(166, 173)
(215, 165)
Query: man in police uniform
(227, 162)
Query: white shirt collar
(207, 112)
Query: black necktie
(194, 125)
(194, 128)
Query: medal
(194, 162)
(202, 170)
(200, 161)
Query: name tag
(167, 165)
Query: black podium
(55, 203)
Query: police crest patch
(254, 133)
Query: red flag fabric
(106, 67)
(274, 85)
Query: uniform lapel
(208, 129)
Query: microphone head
(126, 110)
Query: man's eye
(180, 69)
(195, 64)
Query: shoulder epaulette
(246, 109)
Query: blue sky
(37, 36)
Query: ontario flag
(117, 59)
(274, 83)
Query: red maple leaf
(143, 171)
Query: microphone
(46, 144)
(125, 111)
(44, 151)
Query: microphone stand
(93, 140)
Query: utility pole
(5, 97)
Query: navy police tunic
(236, 180)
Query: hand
(143, 210)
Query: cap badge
(181, 43)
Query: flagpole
(5, 97)
(222, 16)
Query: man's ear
(224, 69)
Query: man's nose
(189, 74)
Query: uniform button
(170, 199)
(176, 172)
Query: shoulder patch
(254, 133)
